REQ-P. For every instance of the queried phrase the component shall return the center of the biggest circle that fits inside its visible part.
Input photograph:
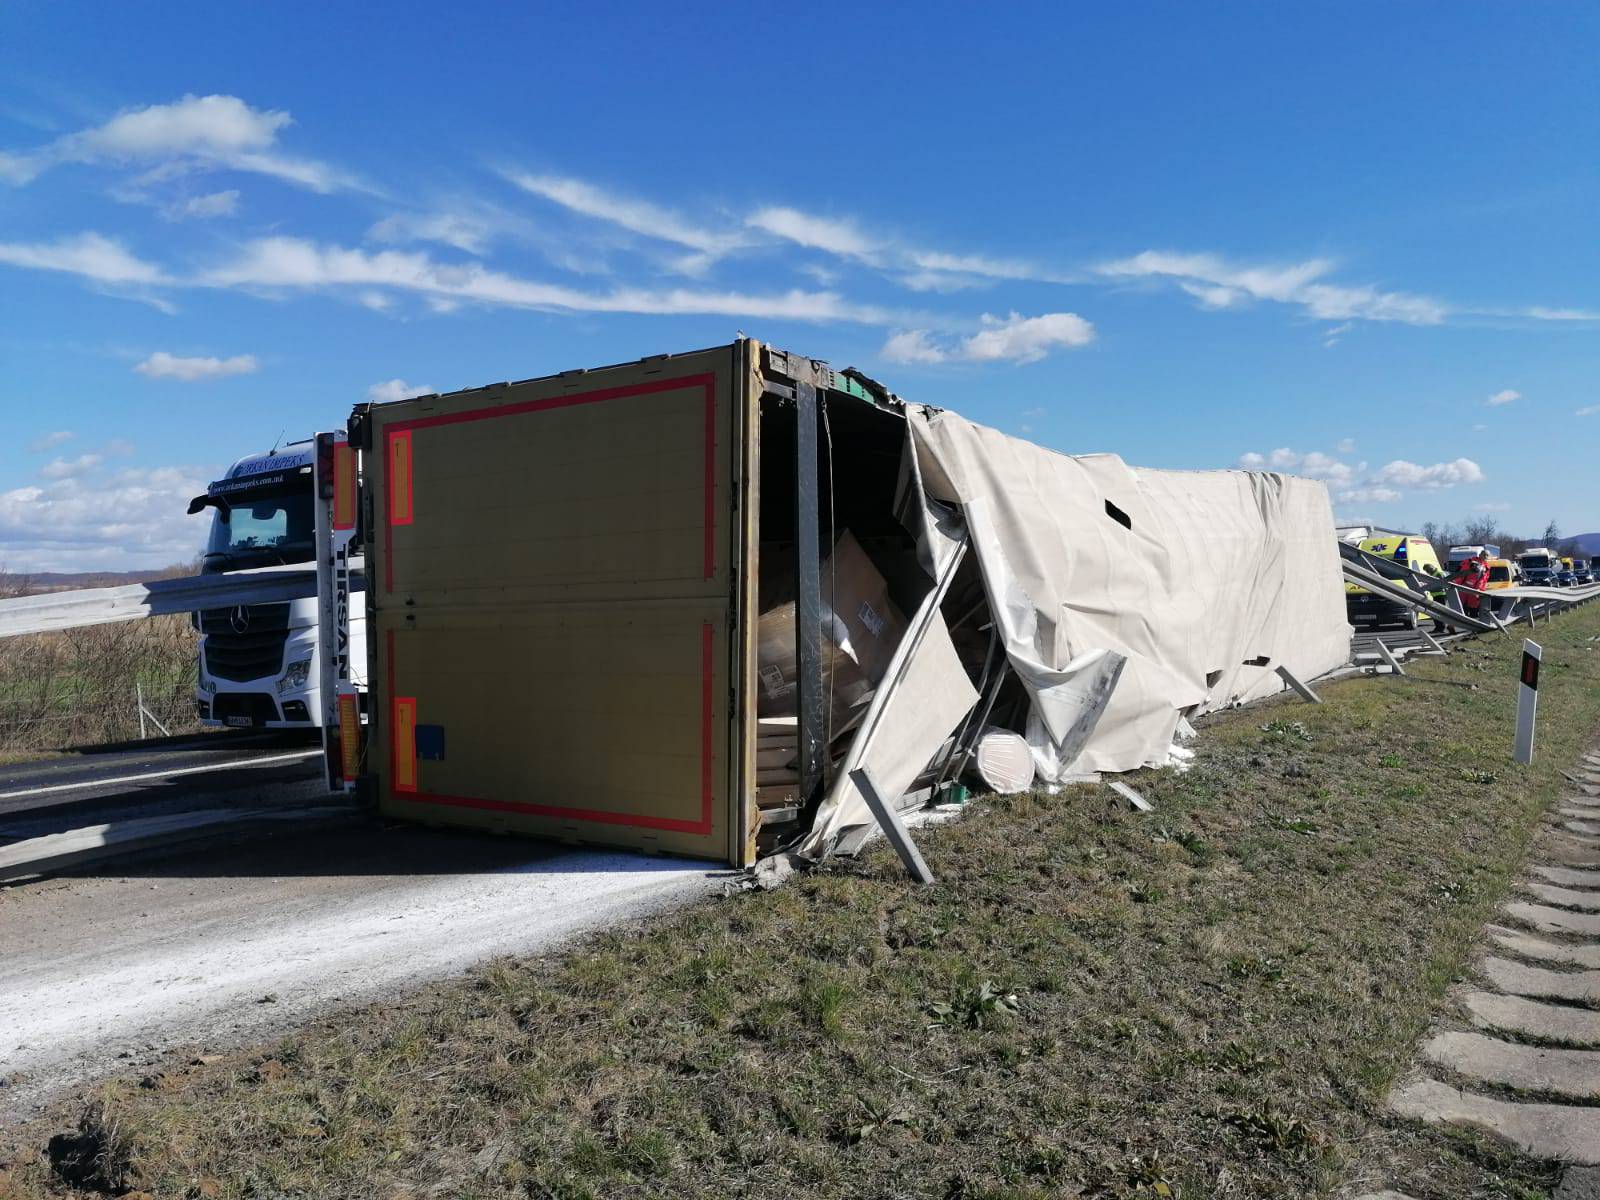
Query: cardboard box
(860, 630)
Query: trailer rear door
(552, 570)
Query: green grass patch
(1210, 1000)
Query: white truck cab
(259, 663)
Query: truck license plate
(241, 722)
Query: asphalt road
(90, 786)
(106, 969)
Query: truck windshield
(1499, 574)
(263, 528)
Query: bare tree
(1552, 535)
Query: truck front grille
(254, 653)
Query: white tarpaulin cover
(1198, 584)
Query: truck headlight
(208, 686)
(295, 677)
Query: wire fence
(85, 687)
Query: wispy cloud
(1014, 338)
(280, 264)
(1504, 396)
(67, 468)
(214, 204)
(83, 516)
(192, 133)
(641, 217)
(162, 365)
(1358, 482)
(396, 389)
(1588, 410)
(88, 255)
(1219, 284)
(918, 269)
(50, 441)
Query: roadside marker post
(1527, 700)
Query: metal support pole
(1304, 692)
(810, 726)
(138, 693)
(1433, 644)
(1388, 656)
(893, 828)
(1527, 700)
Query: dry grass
(1209, 1001)
(79, 688)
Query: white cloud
(467, 231)
(1218, 284)
(88, 255)
(919, 270)
(913, 346)
(396, 389)
(837, 236)
(1492, 506)
(1367, 495)
(637, 216)
(216, 204)
(1588, 410)
(66, 468)
(1506, 396)
(193, 133)
(1561, 314)
(162, 365)
(1332, 337)
(1355, 482)
(1010, 339)
(1026, 339)
(1440, 475)
(87, 521)
(50, 441)
(1312, 465)
(292, 263)
(1345, 445)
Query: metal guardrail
(53, 611)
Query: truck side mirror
(219, 503)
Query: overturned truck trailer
(671, 604)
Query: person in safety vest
(1474, 573)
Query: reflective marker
(1527, 700)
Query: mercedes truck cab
(259, 666)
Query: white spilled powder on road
(217, 962)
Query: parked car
(1566, 578)
(1502, 575)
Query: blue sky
(1354, 241)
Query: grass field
(1208, 1001)
(82, 688)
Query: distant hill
(1589, 543)
(61, 581)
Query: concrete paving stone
(1530, 1018)
(1517, 979)
(1572, 954)
(1564, 897)
(1385, 1195)
(1552, 1131)
(1553, 920)
(1568, 876)
(1587, 828)
(1572, 1073)
(1562, 848)
(1579, 1183)
(1571, 808)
